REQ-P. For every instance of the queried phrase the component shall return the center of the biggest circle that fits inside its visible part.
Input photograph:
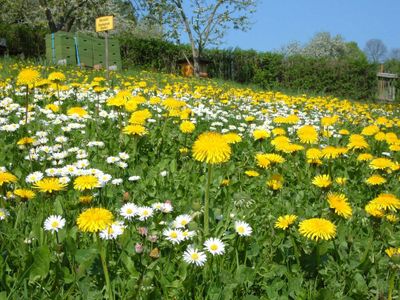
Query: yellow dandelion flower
(322, 181)
(28, 77)
(365, 157)
(212, 148)
(317, 229)
(392, 218)
(261, 134)
(380, 136)
(94, 219)
(307, 134)
(252, 173)
(232, 138)
(262, 161)
(7, 177)
(392, 251)
(285, 221)
(357, 141)
(374, 210)
(86, 182)
(375, 180)
(49, 185)
(135, 130)
(56, 77)
(386, 202)
(276, 182)
(54, 108)
(78, 111)
(139, 117)
(370, 130)
(187, 127)
(339, 203)
(380, 163)
(25, 194)
(85, 199)
(341, 180)
(25, 141)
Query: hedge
(352, 78)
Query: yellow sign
(104, 23)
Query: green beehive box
(60, 47)
(85, 49)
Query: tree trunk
(196, 62)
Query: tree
(204, 21)
(67, 15)
(324, 45)
(395, 54)
(375, 50)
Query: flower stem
(317, 250)
(296, 250)
(102, 252)
(391, 284)
(207, 201)
(26, 105)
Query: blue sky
(278, 22)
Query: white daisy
(194, 256)
(214, 246)
(167, 207)
(188, 234)
(54, 223)
(123, 155)
(144, 213)
(34, 177)
(134, 178)
(182, 220)
(242, 228)
(128, 211)
(173, 235)
(3, 213)
(112, 231)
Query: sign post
(105, 23)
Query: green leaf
(129, 265)
(41, 263)
(85, 257)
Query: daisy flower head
(144, 213)
(112, 231)
(194, 256)
(3, 214)
(214, 246)
(173, 235)
(242, 228)
(129, 210)
(182, 220)
(54, 223)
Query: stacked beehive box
(69, 48)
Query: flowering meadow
(151, 186)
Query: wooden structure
(386, 86)
(187, 68)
